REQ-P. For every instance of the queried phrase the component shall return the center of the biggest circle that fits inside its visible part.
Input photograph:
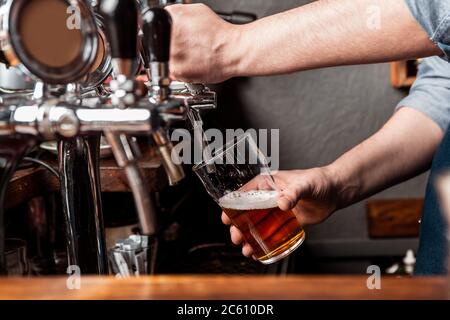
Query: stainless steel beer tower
(77, 119)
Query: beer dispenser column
(157, 31)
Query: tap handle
(121, 23)
(157, 29)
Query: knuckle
(247, 250)
(176, 73)
(174, 7)
(236, 236)
(225, 219)
(200, 5)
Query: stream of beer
(196, 122)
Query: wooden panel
(403, 73)
(30, 183)
(225, 287)
(113, 178)
(394, 218)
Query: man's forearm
(329, 33)
(402, 149)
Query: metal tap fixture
(59, 79)
(72, 103)
(57, 111)
(157, 29)
(194, 98)
(155, 55)
(121, 21)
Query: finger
(173, 8)
(247, 250)
(279, 177)
(225, 219)
(256, 183)
(181, 77)
(284, 203)
(236, 235)
(289, 197)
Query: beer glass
(238, 178)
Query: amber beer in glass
(239, 179)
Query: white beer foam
(249, 200)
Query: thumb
(290, 196)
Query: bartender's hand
(201, 45)
(311, 194)
(402, 149)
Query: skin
(322, 34)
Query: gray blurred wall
(321, 114)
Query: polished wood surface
(394, 218)
(226, 287)
(29, 183)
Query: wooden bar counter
(225, 288)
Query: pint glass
(238, 178)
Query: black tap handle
(157, 29)
(121, 23)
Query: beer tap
(195, 98)
(59, 110)
(157, 29)
(70, 104)
(155, 54)
(121, 23)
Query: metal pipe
(52, 119)
(175, 172)
(124, 153)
